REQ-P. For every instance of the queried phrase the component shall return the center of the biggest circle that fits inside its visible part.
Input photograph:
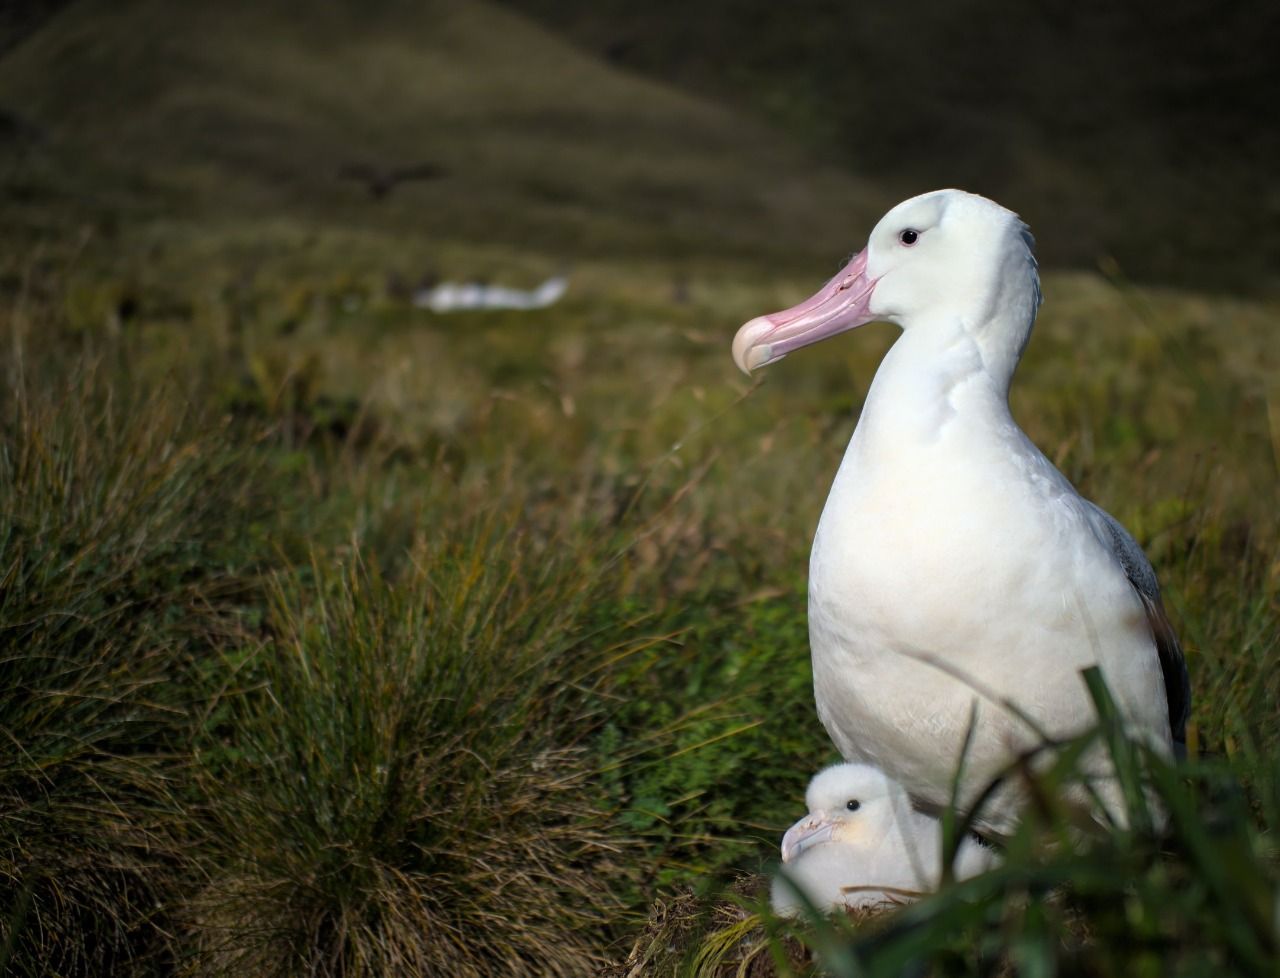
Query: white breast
(956, 569)
(957, 580)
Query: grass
(405, 788)
(144, 111)
(340, 638)
(119, 515)
(277, 585)
(1195, 898)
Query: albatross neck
(941, 371)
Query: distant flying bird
(862, 845)
(955, 573)
(380, 181)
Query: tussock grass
(116, 514)
(406, 788)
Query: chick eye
(909, 237)
(853, 804)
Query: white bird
(862, 845)
(954, 568)
(459, 296)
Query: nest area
(730, 938)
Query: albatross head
(848, 803)
(943, 256)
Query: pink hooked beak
(812, 830)
(840, 305)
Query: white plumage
(459, 296)
(862, 845)
(954, 567)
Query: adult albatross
(956, 576)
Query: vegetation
(344, 638)
(1196, 897)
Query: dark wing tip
(1173, 664)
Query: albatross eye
(853, 804)
(909, 237)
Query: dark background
(1139, 135)
(1151, 128)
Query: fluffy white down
(881, 854)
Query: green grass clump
(727, 721)
(116, 515)
(404, 786)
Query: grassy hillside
(156, 112)
(359, 629)
(342, 638)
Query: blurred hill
(450, 120)
(1142, 133)
(1147, 131)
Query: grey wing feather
(1177, 683)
